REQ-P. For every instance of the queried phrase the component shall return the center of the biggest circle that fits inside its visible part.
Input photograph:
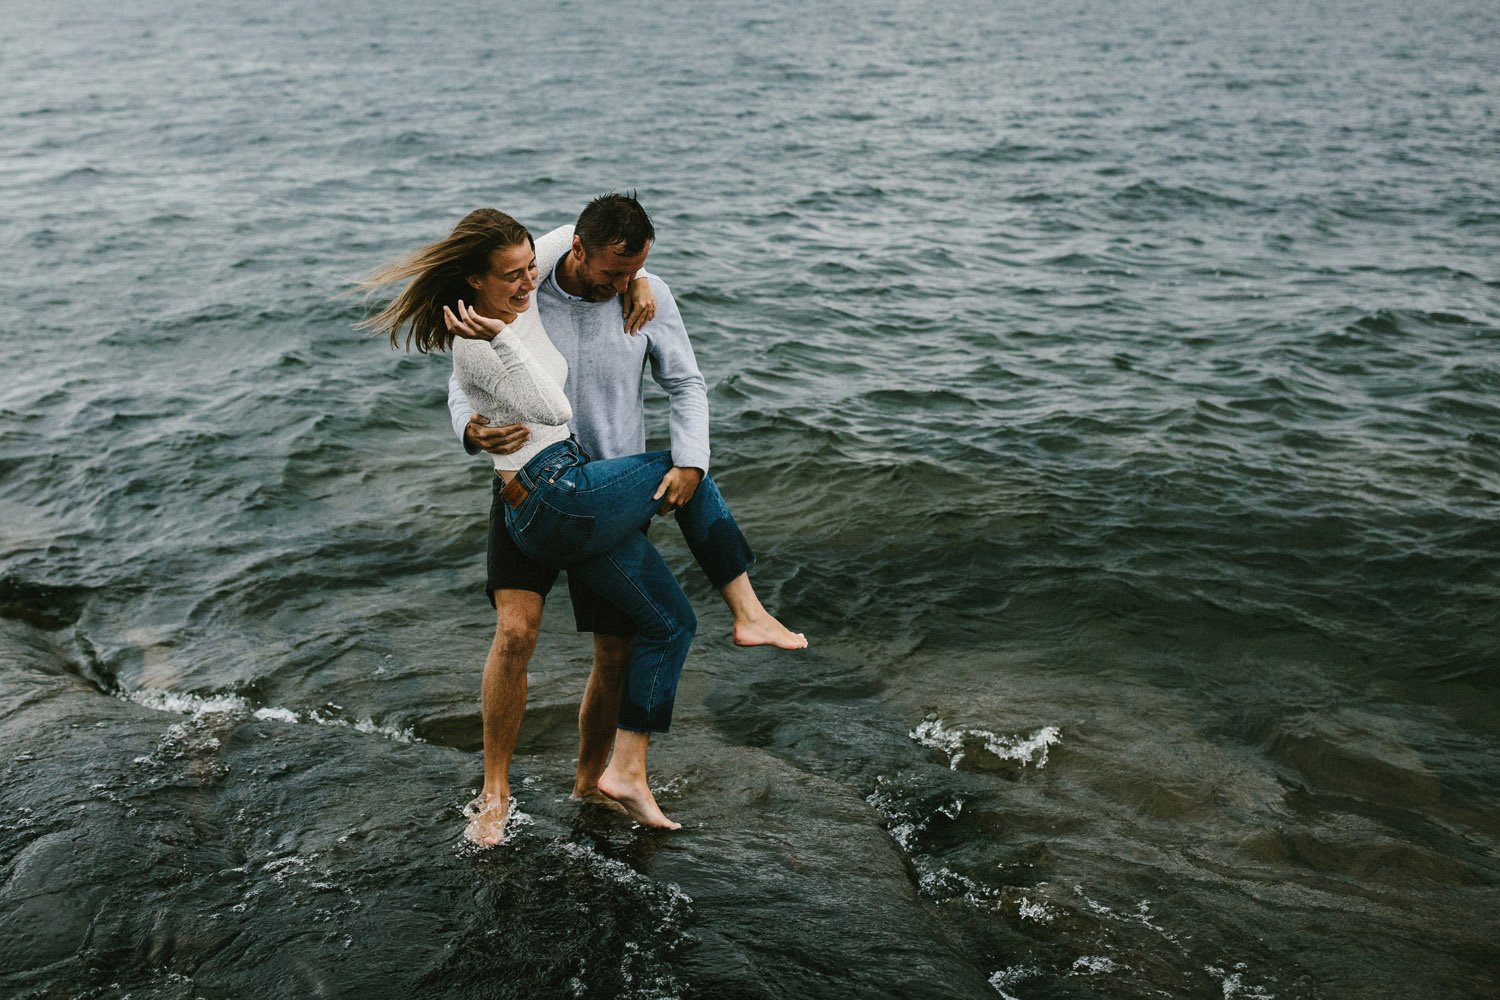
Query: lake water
(1109, 390)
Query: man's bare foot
(594, 797)
(767, 631)
(487, 819)
(637, 800)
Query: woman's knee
(672, 625)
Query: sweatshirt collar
(557, 287)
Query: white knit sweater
(517, 378)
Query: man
(581, 281)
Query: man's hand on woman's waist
(480, 436)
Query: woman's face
(506, 288)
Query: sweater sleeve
(459, 410)
(552, 248)
(502, 378)
(675, 369)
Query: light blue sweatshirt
(606, 367)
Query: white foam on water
(514, 821)
(1145, 919)
(407, 735)
(365, 725)
(618, 871)
(282, 869)
(1009, 977)
(932, 733)
(672, 786)
(187, 704)
(1093, 965)
(517, 819)
(1024, 750)
(296, 873)
(1037, 911)
(946, 884)
(232, 704)
(902, 826)
(1233, 983)
(1097, 907)
(644, 974)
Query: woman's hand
(469, 325)
(639, 304)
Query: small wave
(1185, 197)
(1010, 977)
(1035, 910)
(1093, 965)
(620, 872)
(1233, 983)
(946, 885)
(78, 174)
(644, 968)
(1388, 322)
(188, 704)
(181, 703)
(1024, 750)
(907, 821)
(366, 725)
(42, 606)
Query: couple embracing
(550, 339)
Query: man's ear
(577, 248)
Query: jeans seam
(630, 478)
(656, 669)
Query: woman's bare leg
(624, 780)
(753, 624)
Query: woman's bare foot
(753, 624)
(765, 630)
(487, 818)
(636, 799)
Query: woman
(564, 510)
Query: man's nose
(620, 284)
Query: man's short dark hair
(612, 219)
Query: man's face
(606, 272)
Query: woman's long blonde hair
(439, 276)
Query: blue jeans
(589, 518)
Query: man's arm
(550, 249)
(675, 369)
(475, 431)
(459, 411)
